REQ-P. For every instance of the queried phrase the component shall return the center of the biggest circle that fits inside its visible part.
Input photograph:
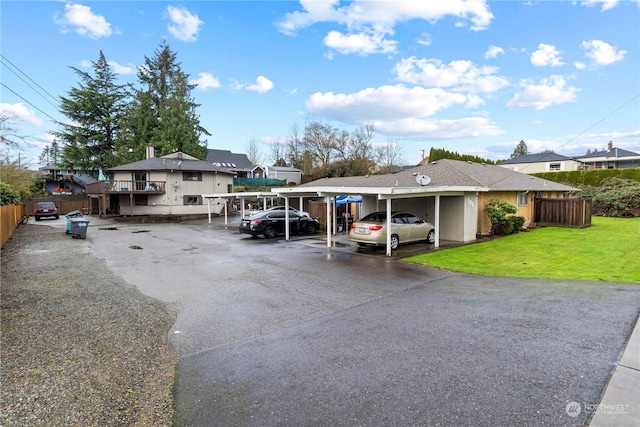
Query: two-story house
(166, 185)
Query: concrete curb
(620, 405)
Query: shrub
(614, 197)
(501, 215)
(8, 195)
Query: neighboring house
(167, 185)
(59, 181)
(610, 158)
(292, 175)
(239, 164)
(542, 162)
(451, 194)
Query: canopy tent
(341, 200)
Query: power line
(28, 102)
(30, 79)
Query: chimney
(150, 152)
(610, 145)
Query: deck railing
(123, 186)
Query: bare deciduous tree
(253, 152)
(389, 155)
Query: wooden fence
(10, 217)
(563, 212)
(65, 204)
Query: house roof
(536, 158)
(229, 160)
(614, 152)
(170, 163)
(445, 174)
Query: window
(192, 176)
(555, 167)
(522, 199)
(139, 181)
(140, 200)
(192, 200)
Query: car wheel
(311, 228)
(431, 236)
(37, 218)
(269, 232)
(57, 216)
(395, 241)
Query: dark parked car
(271, 223)
(45, 209)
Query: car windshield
(48, 205)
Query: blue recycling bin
(72, 214)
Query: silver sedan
(405, 227)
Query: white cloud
(368, 22)
(579, 65)
(546, 55)
(262, 85)
(184, 25)
(461, 75)
(86, 23)
(416, 128)
(606, 4)
(551, 91)
(362, 43)
(205, 81)
(602, 53)
(384, 103)
(122, 69)
(19, 113)
(493, 52)
(424, 39)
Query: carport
(456, 204)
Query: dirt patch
(79, 346)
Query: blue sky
(470, 76)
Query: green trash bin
(72, 214)
(79, 228)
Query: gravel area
(80, 347)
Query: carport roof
(445, 175)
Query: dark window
(192, 200)
(140, 200)
(192, 176)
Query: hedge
(589, 177)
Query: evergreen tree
(163, 113)
(94, 109)
(520, 150)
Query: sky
(470, 76)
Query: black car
(271, 223)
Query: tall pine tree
(94, 110)
(163, 113)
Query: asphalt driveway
(292, 333)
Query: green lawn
(608, 250)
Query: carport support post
(209, 208)
(328, 203)
(388, 227)
(436, 244)
(225, 212)
(286, 219)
